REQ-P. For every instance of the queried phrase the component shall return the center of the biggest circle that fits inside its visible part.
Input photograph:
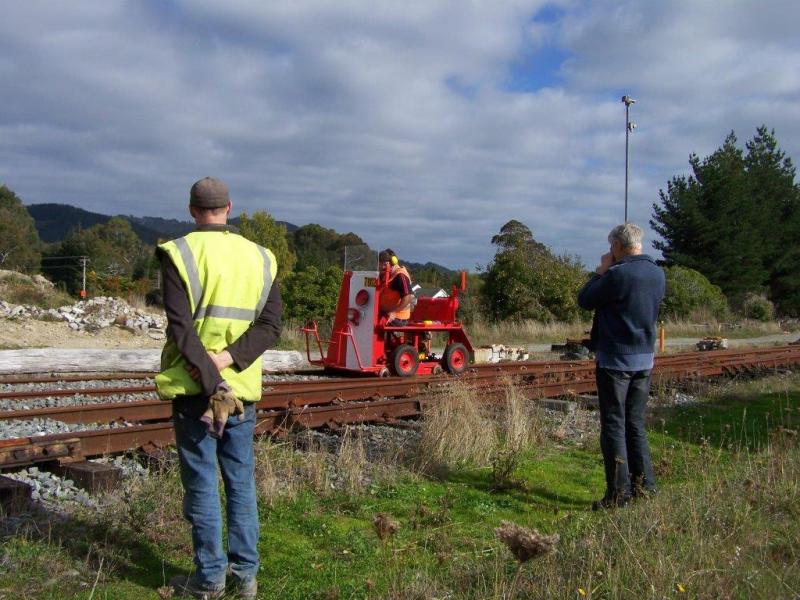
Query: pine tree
(735, 220)
(777, 197)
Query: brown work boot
(185, 586)
(247, 589)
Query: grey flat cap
(209, 193)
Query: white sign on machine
(363, 330)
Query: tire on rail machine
(405, 360)
(456, 358)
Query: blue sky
(421, 125)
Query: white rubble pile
(92, 315)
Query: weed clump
(525, 544)
(385, 526)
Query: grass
(740, 329)
(726, 523)
(16, 288)
(526, 331)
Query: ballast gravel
(88, 384)
(36, 427)
(60, 494)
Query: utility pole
(83, 284)
(629, 127)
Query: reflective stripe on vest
(228, 280)
(196, 288)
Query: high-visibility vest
(390, 299)
(228, 279)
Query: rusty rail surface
(337, 402)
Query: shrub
(757, 307)
(20, 289)
(688, 291)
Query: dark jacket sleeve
(402, 285)
(598, 291)
(261, 335)
(181, 327)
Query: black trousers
(623, 439)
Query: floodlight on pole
(629, 127)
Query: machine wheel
(456, 358)
(437, 370)
(384, 372)
(405, 360)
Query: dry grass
(293, 339)
(456, 430)
(351, 461)
(460, 429)
(17, 288)
(282, 471)
(522, 425)
(275, 471)
(710, 326)
(526, 331)
(285, 469)
(520, 428)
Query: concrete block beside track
(14, 495)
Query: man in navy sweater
(625, 292)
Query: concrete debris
(92, 315)
(500, 353)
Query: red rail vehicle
(362, 343)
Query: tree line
(310, 258)
(728, 239)
(730, 245)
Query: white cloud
(391, 120)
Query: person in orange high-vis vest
(396, 299)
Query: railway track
(333, 402)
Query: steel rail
(734, 356)
(309, 404)
(288, 394)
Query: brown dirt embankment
(31, 333)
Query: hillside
(54, 221)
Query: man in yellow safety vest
(223, 309)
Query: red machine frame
(362, 342)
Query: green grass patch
(736, 420)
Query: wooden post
(662, 337)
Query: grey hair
(628, 235)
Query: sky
(419, 125)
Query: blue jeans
(623, 439)
(199, 455)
